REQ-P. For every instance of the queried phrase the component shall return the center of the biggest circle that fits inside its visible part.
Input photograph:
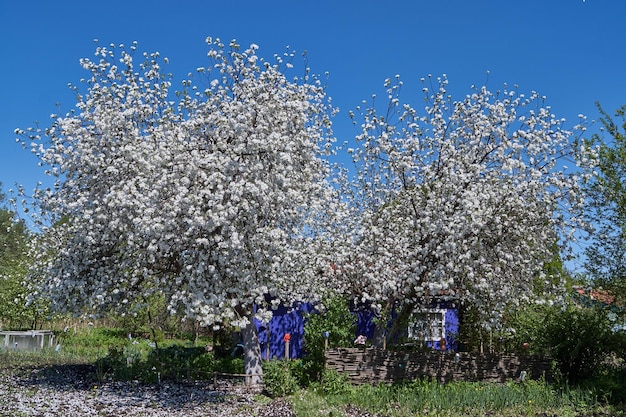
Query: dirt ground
(72, 390)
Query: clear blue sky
(572, 51)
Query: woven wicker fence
(377, 365)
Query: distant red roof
(602, 296)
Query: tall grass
(88, 346)
(44, 357)
(452, 399)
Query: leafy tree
(521, 326)
(464, 200)
(579, 340)
(213, 197)
(606, 257)
(14, 238)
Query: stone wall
(373, 366)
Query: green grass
(418, 398)
(88, 346)
(45, 357)
(116, 357)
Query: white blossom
(215, 201)
(464, 201)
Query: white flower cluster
(220, 199)
(464, 202)
(213, 199)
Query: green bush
(279, 378)
(340, 323)
(334, 383)
(610, 388)
(176, 362)
(229, 365)
(580, 340)
(202, 366)
(113, 365)
(527, 325)
(141, 361)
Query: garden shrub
(229, 365)
(579, 340)
(141, 361)
(340, 323)
(333, 382)
(176, 362)
(525, 329)
(279, 379)
(609, 387)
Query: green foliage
(336, 319)
(91, 342)
(176, 362)
(469, 336)
(579, 340)
(520, 328)
(333, 382)
(606, 257)
(612, 162)
(311, 403)
(526, 326)
(120, 358)
(14, 239)
(139, 360)
(609, 386)
(229, 365)
(279, 377)
(453, 399)
(151, 314)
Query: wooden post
(267, 345)
(287, 339)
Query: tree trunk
(381, 330)
(393, 333)
(153, 330)
(252, 354)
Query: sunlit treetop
(461, 200)
(213, 195)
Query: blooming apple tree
(213, 197)
(464, 200)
